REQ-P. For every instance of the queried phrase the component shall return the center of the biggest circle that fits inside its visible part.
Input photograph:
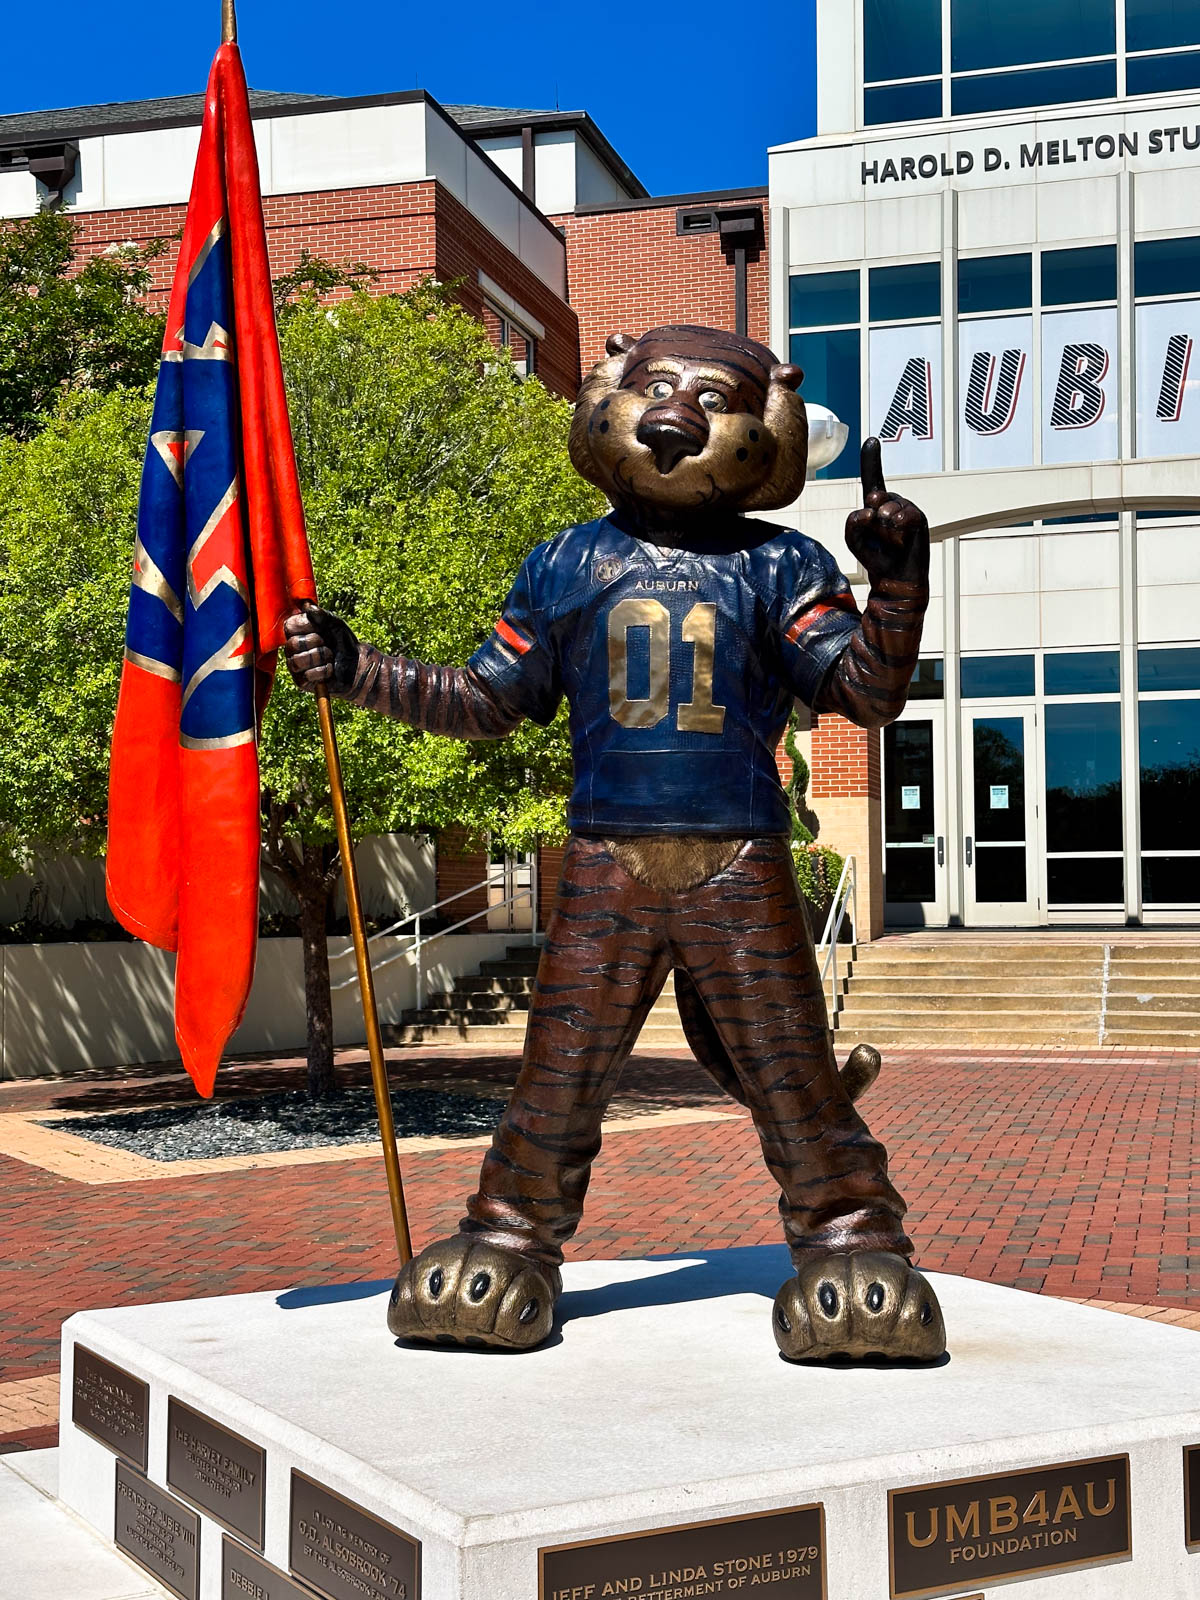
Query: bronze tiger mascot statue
(680, 632)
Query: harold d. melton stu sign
(943, 1537)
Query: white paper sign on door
(906, 397)
(910, 797)
(995, 426)
(1079, 386)
(1168, 379)
(999, 797)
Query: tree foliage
(65, 327)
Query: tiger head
(689, 421)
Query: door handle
(941, 850)
(970, 851)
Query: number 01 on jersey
(697, 715)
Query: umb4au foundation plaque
(943, 1537)
(779, 1551)
(110, 1404)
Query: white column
(953, 803)
(1130, 737)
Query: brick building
(551, 238)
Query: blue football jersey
(679, 669)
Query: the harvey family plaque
(780, 1552)
(110, 1404)
(217, 1470)
(159, 1532)
(344, 1552)
(945, 1536)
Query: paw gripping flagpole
(221, 560)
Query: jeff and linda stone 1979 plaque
(217, 1470)
(110, 1404)
(780, 1550)
(159, 1532)
(346, 1553)
(944, 1537)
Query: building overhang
(975, 502)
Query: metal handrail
(845, 896)
(421, 942)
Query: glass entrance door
(1000, 818)
(914, 827)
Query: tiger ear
(619, 344)
(789, 376)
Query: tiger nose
(672, 433)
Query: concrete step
(1146, 1018)
(478, 984)
(660, 1036)
(510, 967)
(1136, 1003)
(479, 1000)
(1149, 1039)
(866, 982)
(939, 968)
(866, 997)
(921, 1034)
(1156, 985)
(865, 1018)
(1154, 971)
(955, 950)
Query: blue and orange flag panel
(220, 559)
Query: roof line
(580, 120)
(713, 197)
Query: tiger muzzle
(671, 434)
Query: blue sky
(691, 96)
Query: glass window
(987, 677)
(1048, 86)
(1075, 277)
(831, 364)
(928, 681)
(1166, 266)
(903, 102)
(1089, 672)
(1162, 74)
(995, 283)
(908, 781)
(1173, 668)
(820, 298)
(1107, 518)
(1160, 24)
(1170, 762)
(1083, 777)
(1095, 882)
(1171, 880)
(998, 746)
(901, 39)
(986, 34)
(902, 294)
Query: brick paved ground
(1068, 1173)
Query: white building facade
(989, 256)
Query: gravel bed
(283, 1120)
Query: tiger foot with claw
(464, 1292)
(870, 1303)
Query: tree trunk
(313, 896)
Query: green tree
(65, 327)
(429, 469)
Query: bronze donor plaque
(243, 1574)
(946, 1536)
(346, 1553)
(778, 1552)
(110, 1404)
(159, 1532)
(1191, 1496)
(217, 1470)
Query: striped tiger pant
(752, 1007)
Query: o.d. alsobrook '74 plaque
(346, 1553)
(945, 1537)
(782, 1552)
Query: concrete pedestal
(662, 1403)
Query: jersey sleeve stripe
(511, 637)
(838, 602)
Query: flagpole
(366, 980)
(228, 22)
